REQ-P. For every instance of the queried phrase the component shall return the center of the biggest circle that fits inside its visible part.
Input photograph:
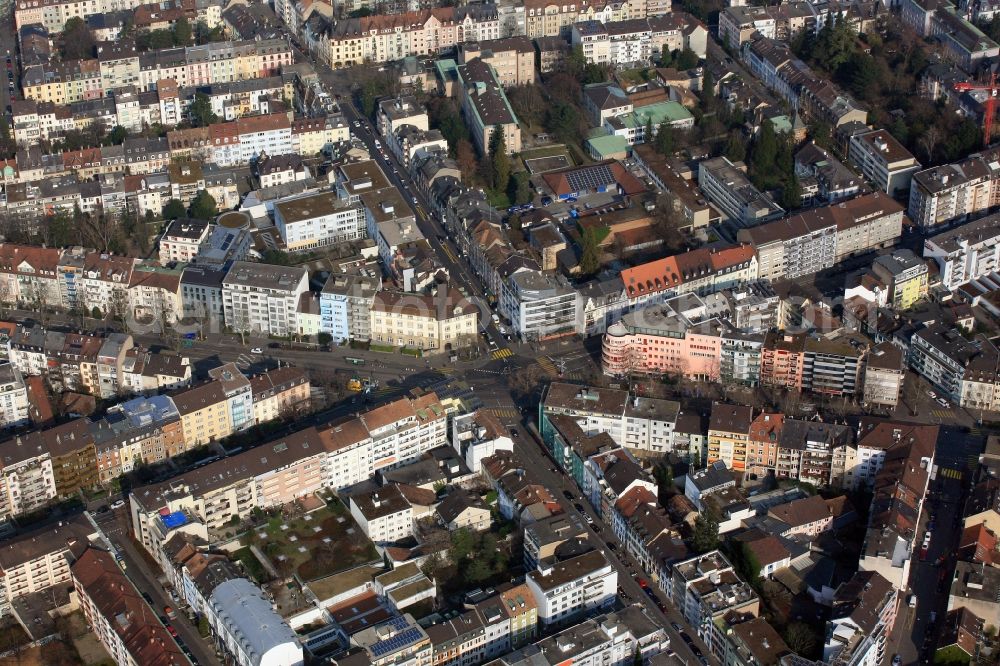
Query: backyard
(315, 544)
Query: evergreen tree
(590, 255)
(763, 155)
(791, 194)
(203, 206)
(736, 147)
(664, 142)
(499, 159)
(173, 210)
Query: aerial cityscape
(500, 332)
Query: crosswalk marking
(547, 365)
(502, 353)
(951, 473)
(504, 413)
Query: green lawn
(252, 565)
(315, 553)
(951, 656)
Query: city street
(114, 524)
(913, 634)
(531, 452)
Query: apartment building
(799, 245)
(476, 635)
(865, 609)
(317, 220)
(728, 435)
(791, 79)
(539, 305)
(905, 276)
(705, 588)
(956, 192)
(565, 589)
(900, 486)
(679, 337)
(884, 376)
(738, 23)
(512, 58)
(817, 239)
(280, 393)
(40, 559)
(941, 355)
(485, 107)
(432, 323)
(967, 252)
(260, 298)
(478, 435)
(645, 426)
(728, 187)
(27, 477)
(345, 304)
(124, 624)
(383, 514)
(883, 161)
(14, 407)
(210, 496)
(182, 240)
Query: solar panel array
(400, 640)
(589, 178)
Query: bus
(355, 361)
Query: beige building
(430, 323)
(205, 414)
(485, 107)
(40, 559)
(279, 393)
(884, 376)
(512, 59)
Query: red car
(642, 583)
(173, 632)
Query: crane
(989, 107)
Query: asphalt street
(115, 525)
(532, 452)
(914, 634)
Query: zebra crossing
(502, 353)
(950, 473)
(505, 413)
(547, 365)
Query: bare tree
(929, 141)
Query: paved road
(530, 450)
(115, 526)
(914, 635)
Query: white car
(117, 504)
(943, 402)
(256, 350)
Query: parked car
(579, 507)
(256, 350)
(149, 599)
(117, 504)
(568, 495)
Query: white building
(966, 253)
(183, 239)
(539, 305)
(478, 435)
(247, 626)
(883, 161)
(563, 589)
(263, 299)
(383, 514)
(316, 220)
(13, 397)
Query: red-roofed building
(124, 624)
(700, 271)
(979, 544)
